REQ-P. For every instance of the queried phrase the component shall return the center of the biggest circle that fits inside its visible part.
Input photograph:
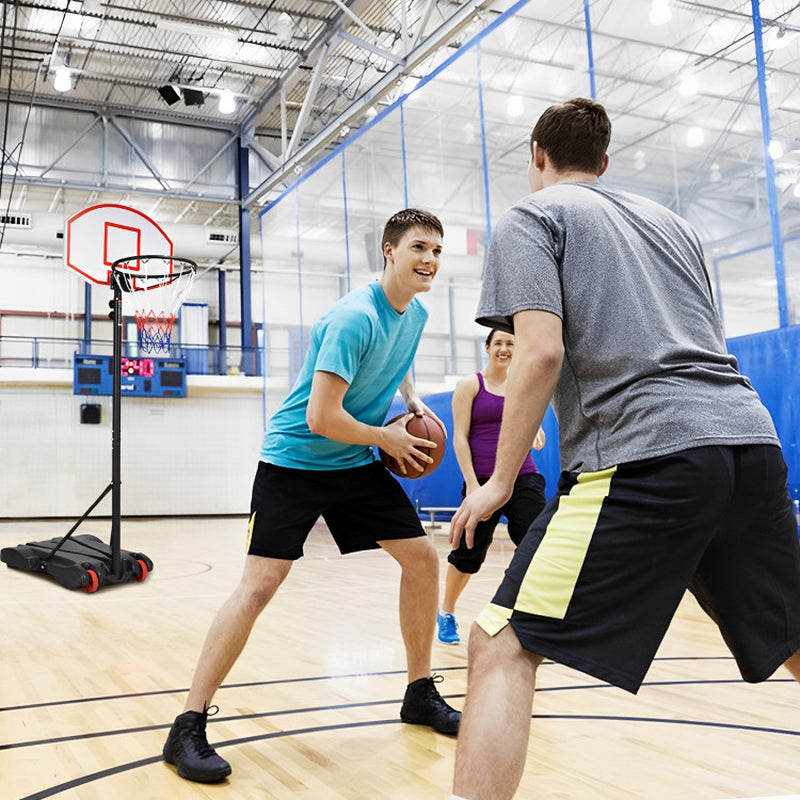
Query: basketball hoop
(157, 286)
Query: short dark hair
(575, 135)
(399, 223)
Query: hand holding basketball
(415, 448)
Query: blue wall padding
(772, 362)
(442, 488)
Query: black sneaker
(188, 749)
(423, 705)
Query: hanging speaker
(193, 97)
(169, 94)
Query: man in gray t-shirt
(673, 475)
(641, 333)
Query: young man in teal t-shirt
(317, 461)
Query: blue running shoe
(448, 628)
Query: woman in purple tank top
(477, 412)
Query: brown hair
(492, 332)
(575, 135)
(408, 218)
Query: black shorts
(361, 506)
(522, 508)
(601, 572)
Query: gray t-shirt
(646, 371)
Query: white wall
(180, 456)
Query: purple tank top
(484, 431)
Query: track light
(172, 92)
(169, 94)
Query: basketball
(424, 427)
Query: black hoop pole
(116, 424)
(116, 411)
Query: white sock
(456, 797)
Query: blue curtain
(442, 488)
(771, 360)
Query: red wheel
(143, 567)
(94, 582)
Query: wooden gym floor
(89, 684)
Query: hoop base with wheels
(86, 562)
(83, 562)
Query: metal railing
(46, 352)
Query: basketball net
(154, 288)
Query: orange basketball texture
(423, 427)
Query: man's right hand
(476, 507)
(403, 447)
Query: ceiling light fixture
(775, 149)
(227, 102)
(468, 133)
(688, 85)
(514, 106)
(193, 29)
(284, 28)
(639, 160)
(62, 79)
(660, 12)
(777, 37)
(695, 137)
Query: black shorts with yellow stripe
(597, 579)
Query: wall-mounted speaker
(90, 414)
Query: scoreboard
(141, 377)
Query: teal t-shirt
(363, 340)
